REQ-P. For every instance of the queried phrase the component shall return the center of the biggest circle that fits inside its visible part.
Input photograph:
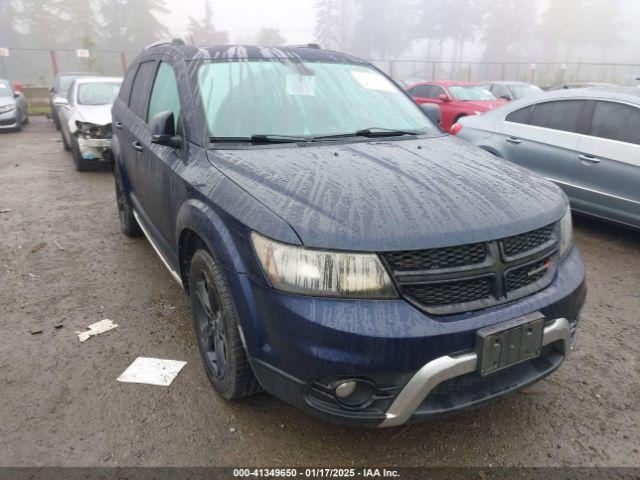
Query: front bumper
(9, 120)
(419, 367)
(97, 149)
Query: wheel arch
(198, 225)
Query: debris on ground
(60, 247)
(96, 328)
(31, 275)
(152, 371)
(5, 210)
(232, 429)
(58, 325)
(38, 246)
(35, 330)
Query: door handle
(118, 125)
(588, 159)
(137, 146)
(514, 140)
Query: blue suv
(340, 251)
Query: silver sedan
(13, 107)
(586, 140)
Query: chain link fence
(542, 74)
(40, 66)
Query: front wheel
(81, 164)
(216, 326)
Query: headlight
(7, 108)
(566, 233)
(323, 273)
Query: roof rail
(307, 45)
(175, 41)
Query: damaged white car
(85, 119)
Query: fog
(537, 40)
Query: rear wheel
(128, 223)
(216, 326)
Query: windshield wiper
(261, 138)
(371, 132)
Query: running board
(173, 273)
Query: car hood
(96, 114)
(483, 106)
(394, 195)
(4, 101)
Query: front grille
(525, 242)
(437, 258)
(450, 280)
(523, 276)
(450, 292)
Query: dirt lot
(61, 405)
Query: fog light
(346, 389)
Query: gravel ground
(61, 405)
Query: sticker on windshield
(373, 81)
(301, 85)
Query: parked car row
(13, 107)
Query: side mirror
(444, 97)
(60, 101)
(17, 94)
(52, 90)
(432, 111)
(163, 130)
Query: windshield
(521, 91)
(470, 92)
(65, 83)
(98, 93)
(5, 90)
(240, 99)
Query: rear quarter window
(616, 121)
(139, 96)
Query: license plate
(505, 344)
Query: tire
(19, 123)
(128, 223)
(81, 164)
(215, 322)
(55, 118)
(26, 120)
(65, 145)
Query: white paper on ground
(153, 371)
(96, 328)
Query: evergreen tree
(9, 37)
(132, 24)
(42, 21)
(331, 24)
(383, 28)
(203, 31)
(270, 37)
(509, 30)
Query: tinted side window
(435, 91)
(139, 97)
(164, 96)
(522, 115)
(420, 91)
(562, 115)
(616, 121)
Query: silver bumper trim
(445, 368)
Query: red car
(455, 99)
